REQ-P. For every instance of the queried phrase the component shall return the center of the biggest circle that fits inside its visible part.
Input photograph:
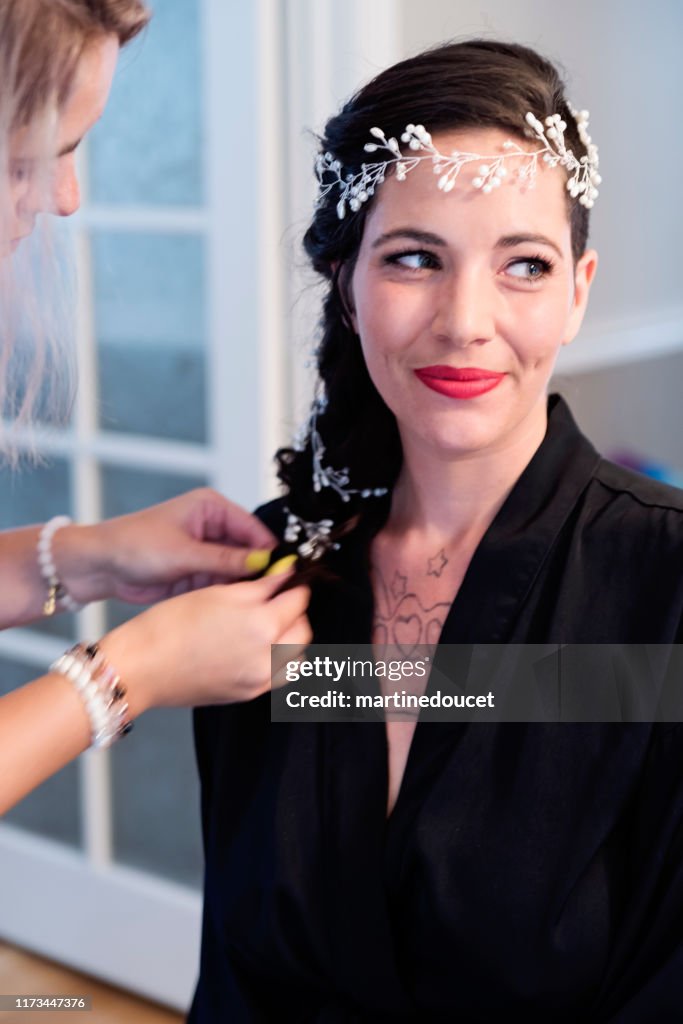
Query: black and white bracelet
(101, 690)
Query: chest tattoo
(408, 611)
(437, 564)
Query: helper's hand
(209, 647)
(192, 541)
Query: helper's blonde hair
(41, 43)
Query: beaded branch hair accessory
(325, 476)
(317, 539)
(316, 536)
(356, 189)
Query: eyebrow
(504, 242)
(70, 148)
(426, 237)
(509, 241)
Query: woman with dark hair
(439, 870)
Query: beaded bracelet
(101, 691)
(56, 591)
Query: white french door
(185, 330)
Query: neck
(457, 497)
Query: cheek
(381, 345)
(375, 346)
(389, 318)
(539, 327)
(383, 339)
(17, 194)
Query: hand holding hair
(191, 541)
(207, 647)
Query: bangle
(56, 591)
(101, 691)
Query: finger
(239, 527)
(289, 648)
(134, 593)
(181, 586)
(298, 635)
(289, 606)
(223, 561)
(192, 581)
(282, 566)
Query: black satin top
(527, 872)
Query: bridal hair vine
(316, 535)
(325, 476)
(356, 189)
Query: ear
(344, 281)
(583, 278)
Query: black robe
(527, 872)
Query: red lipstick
(459, 383)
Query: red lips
(459, 382)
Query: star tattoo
(398, 585)
(437, 564)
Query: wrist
(82, 561)
(124, 649)
(101, 690)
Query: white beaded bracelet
(56, 590)
(101, 691)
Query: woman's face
(463, 299)
(40, 183)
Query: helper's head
(57, 60)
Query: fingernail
(257, 560)
(282, 565)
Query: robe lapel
(515, 546)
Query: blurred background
(196, 318)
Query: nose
(56, 191)
(66, 193)
(465, 307)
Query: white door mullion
(243, 176)
(331, 50)
(309, 89)
(270, 186)
(94, 767)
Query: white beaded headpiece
(356, 189)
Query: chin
(448, 442)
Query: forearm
(212, 646)
(43, 726)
